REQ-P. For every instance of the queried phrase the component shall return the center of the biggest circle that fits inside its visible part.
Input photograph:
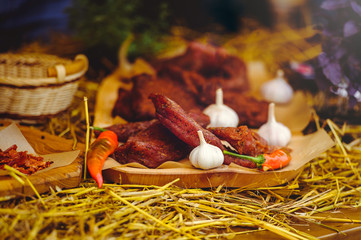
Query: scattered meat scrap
(22, 161)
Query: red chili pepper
(100, 149)
(272, 161)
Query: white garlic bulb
(206, 156)
(275, 133)
(221, 115)
(277, 90)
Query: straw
(87, 136)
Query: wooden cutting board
(64, 177)
(195, 178)
(304, 149)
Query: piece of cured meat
(152, 147)
(123, 106)
(202, 119)
(243, 139)
(173, 117)
(206, 68)
(251, 111)
(124, 131)
(136, 105)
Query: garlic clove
(277, 90)
(221, 115)
(275, 133)
(206, 156)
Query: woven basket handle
(79, 64)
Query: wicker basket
(36, 86)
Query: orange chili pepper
(276, 160)
(99, 150)
(272, 161)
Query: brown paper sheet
(12, 135)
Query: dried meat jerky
(152, 147)
(22, 161)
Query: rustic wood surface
(64, 177)
(196, 178)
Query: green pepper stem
(98, 128)
(259, 160)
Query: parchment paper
(12, 135)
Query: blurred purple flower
(356, 7)
(350, 28)
(333, 47)
(340, 60)
(354, 66)
(330, 68)
(334, 4)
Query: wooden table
(349, 231)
